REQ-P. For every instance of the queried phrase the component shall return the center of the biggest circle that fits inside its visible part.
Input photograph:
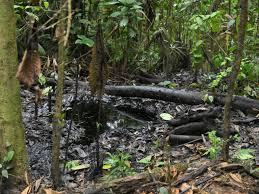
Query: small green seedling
(5, 165)
(216, 145)
(118, 165)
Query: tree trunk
(234, 74)
(11, 127)
(58, 122)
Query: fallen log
(193, 174)
(180, 96)
(171, 95)
(174, 140)
(158, 93)
(195, 117)
(194, 128)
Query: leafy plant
(216, 145)
(118, 165)
(219, 77)
(42, 81)
(151, 161)
(5, 165)
(208, 98)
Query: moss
(12, 130)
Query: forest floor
(133, 126)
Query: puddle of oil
(86, 115)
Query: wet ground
(129, 125)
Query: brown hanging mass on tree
(30, 67)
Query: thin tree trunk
(11, 127)
(58, 122)
(234, 74)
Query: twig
(197, 183)
(69, 19)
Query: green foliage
(150, 160)
(216, 145)
(30, 10)
(84, 41)
(208, 98)
(219, 78)
(125, 10)
(244, 154)
(168, 84)
(5, 165)
(118, 165)
(146, 160)
(74, 165)
(42, 81)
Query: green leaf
(41, 50)
(46, 4)
(198, 43)
(124, 22)
(115, 14)
(231, 23)
(42, 79)
(164, 83)
(127, 2)
(1, 165)
(199, 21)
(160, 163)
(5, 173)
(9, 156)
(211, 98)
(82, 39)
(111, 3)
(166, 116)
(46, 91)
(146, 160)
(244, 154)
(80, 167)
(107, 166)
(72, 163)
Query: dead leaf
(174, 191)
(186, 186)
(26, 178)
(236, 177)
(174, 172)
(37, 184)
(27, 190)
(50, 191)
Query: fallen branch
(196, 117)
(193, 174)
(171, 95)
(180, 96)
(181, 139)
(194, 128)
